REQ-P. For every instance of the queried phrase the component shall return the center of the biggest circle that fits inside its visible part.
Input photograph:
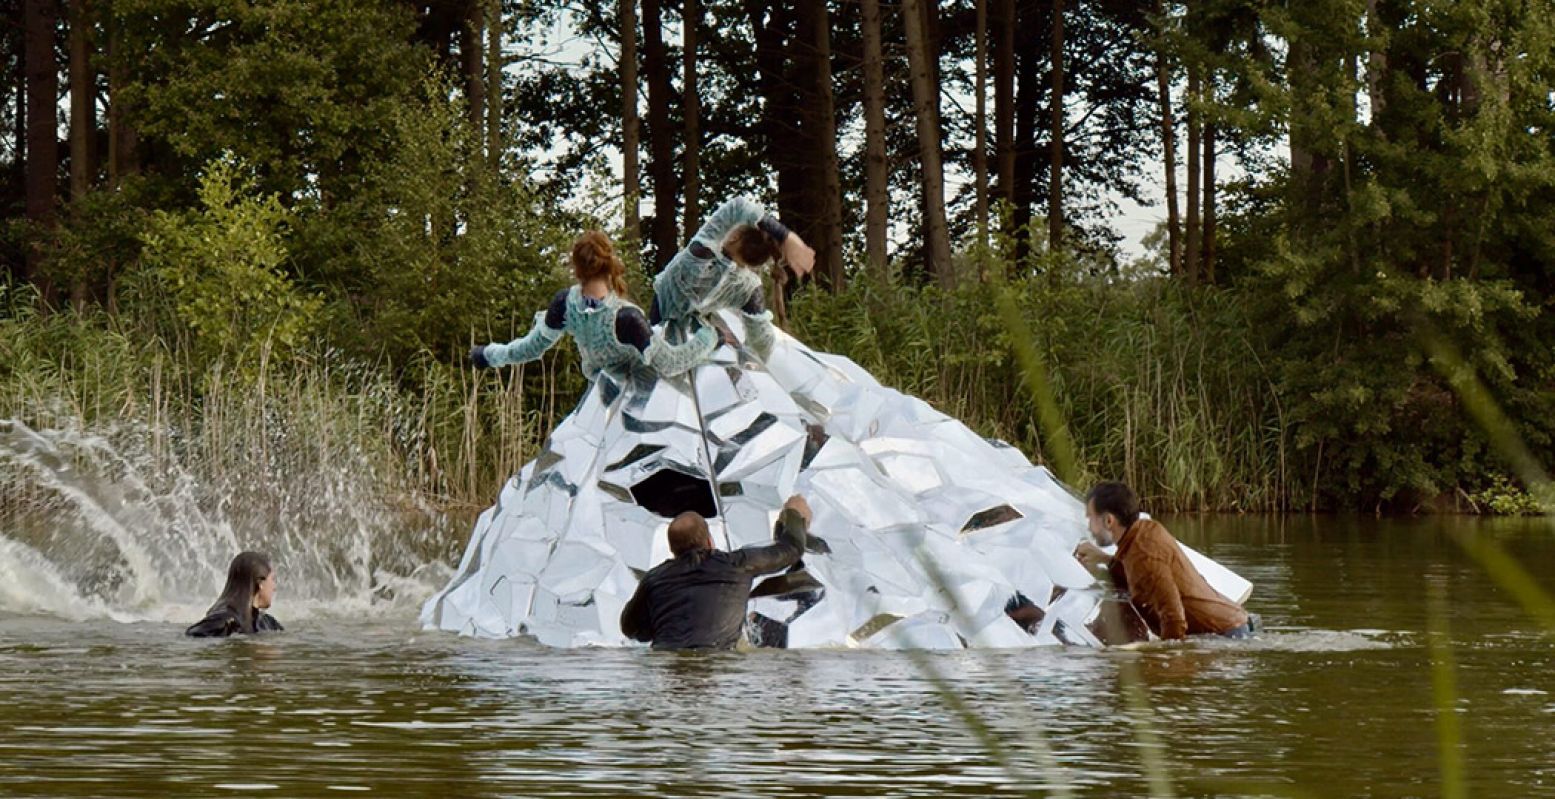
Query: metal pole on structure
(707, 452)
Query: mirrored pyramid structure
(923, 531)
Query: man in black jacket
(697, 599)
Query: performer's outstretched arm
(759, 337)
(546, 332)
(667, 359)
(730, 215)
(670, 360)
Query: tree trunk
(980, 139)
(692, 106)
(1376, 63)
(18, 81)
(1309, 166)
(1055, 177)
(1191, 256)
(38, 21)
(1300, 67)
(789, 123)
(925, 93)
(19, 119)
(1028, 89)
(1004, 98)
(121, 134)
(934, 46)
(631, 191)
(828, 244)
(876, 171)
(661, 144)
(472, 62)
(83, 119)
(1169, 156)
(494, 64)
(782, 132)
(1207, 271)
(930, 17)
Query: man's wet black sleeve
(784, 552)
(636, 624)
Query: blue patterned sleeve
(759, 335)
(730, 215)
(670, 360)
(540, 338)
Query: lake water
(1334, 700)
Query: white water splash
(92, 528)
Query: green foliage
(1166, 388)
(434, 245)
(221, 266)
(1415, 222)
(298, 90)
(307, 186)
(1503, 497)
(1280, 393)
(97, 239)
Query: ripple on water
(1297, 640)
(1334, 699)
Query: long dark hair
(247, 571)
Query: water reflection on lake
(1335, 700)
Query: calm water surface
(1335, 700)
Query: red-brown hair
(594, 257)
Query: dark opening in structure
(988, 518)
(669, 493)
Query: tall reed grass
(429, 435)
(1162, 387)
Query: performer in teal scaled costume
(614, 339)
(717, 270)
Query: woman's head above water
(249, 592)
(250, 587)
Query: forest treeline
(1351, 277)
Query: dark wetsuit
(697, 600)
(224, 621)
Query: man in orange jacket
(1172, 596)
